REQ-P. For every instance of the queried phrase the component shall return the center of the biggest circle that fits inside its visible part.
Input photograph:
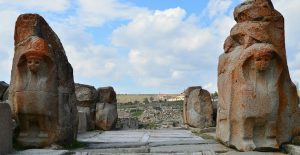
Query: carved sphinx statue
(36, 97)
(256, 95)
(42, 91)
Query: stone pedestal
(6, 129)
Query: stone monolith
(87, 98)
(42, 91)
(257, 102)
(198, 108)
(106, 109)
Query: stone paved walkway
(144, 142)
(148, 141)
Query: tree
(214, 95)
(146, 100)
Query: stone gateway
(42, 91)
(257, 99)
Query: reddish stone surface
(106, 109)
(257, 102)
(107, 95)
(198, 108)
(42, 91)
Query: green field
(126, 98)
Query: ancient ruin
(87, 98)
(258, 102)
(106, 108)
(42, 91)
(197, 108)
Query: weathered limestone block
(42, 92)
(6, 129)
(106, 109)
(257, 104)
(87, 98)
(3, 88)
(107, 95)
(198, 108)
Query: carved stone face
(262, 62)
(33, 64)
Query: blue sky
(142, 46)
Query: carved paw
(272, 143)
(246, 145)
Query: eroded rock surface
(198, 108)
(106, 109)
(87, 98)
(42, 91)
(257, 100)
(3, 88)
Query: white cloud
(98, 12)
(92, 61)
(217, 7)
(168, 49)
(290, 11)
(6, 40)
(42, 5)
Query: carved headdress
(36, 48)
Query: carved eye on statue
(37, 62)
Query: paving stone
(218, 148)
(115, 145)
(142, 149)
(86, 153)
(41, 152)
(293, 149)
(252, 153)
(182, 142)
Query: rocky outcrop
(3, 90)
(87, 97)
(106, 108)
(42, 91)
(197, 108)
(257, 104)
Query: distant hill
(125, 98)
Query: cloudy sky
(142, 46)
